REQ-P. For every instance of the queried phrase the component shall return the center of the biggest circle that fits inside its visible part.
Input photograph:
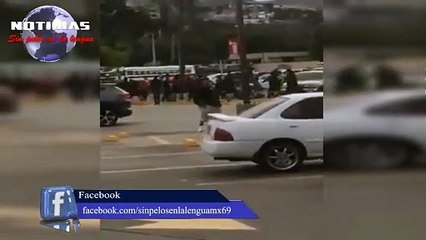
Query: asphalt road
(315, 203)
(48, 143)
(37, 150)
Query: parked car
(308, 81)
(115, 103)
(306, 85)
(8, 100)
(378, 130)
(278, 134)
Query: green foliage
(113, 57)
(202, 42)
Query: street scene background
(48, 123)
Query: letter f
(59, 199)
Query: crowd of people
(276, 83)
(166, 88)
(163, 88)
(203, 92)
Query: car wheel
(366, 154)
(108, 118)
(281, 156)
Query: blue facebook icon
(57, 203)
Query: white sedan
(279, 134)
(377, 130)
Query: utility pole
(242, 52)
(172, 49)
(154, 52)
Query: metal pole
(179, 53)
(181, 29)
(154, 53)
(242, 52)
(172, 48)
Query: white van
(148, 73)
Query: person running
(208, 101)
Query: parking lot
(315, 203)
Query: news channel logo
(48, 33)
(58, 207)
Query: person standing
(229, 86)
(208, 101)
(220, 86)
(155, 86)
(143, 87)
(192, 86)
(291, 79)
(166, 89)
(274, 84)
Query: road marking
(193, 224)
(259, 180)
(175, 168)
(159, 140)
(152, 155)
(107, 147)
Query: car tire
(108, 118)
(281, 156)
(366, 153)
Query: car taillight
(125, 96)
(222, 135)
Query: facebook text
(142, 211)
(98, 195)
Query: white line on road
(151, 155)
(260, 179)
(175, 168)
(159, 140)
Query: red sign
(233, 47)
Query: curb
(190, 142)
(110, 138)
(123, 135)
(115, 137)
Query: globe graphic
(49, 51)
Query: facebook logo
(58, 204)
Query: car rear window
(262, 108)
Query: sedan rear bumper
(230, 150)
